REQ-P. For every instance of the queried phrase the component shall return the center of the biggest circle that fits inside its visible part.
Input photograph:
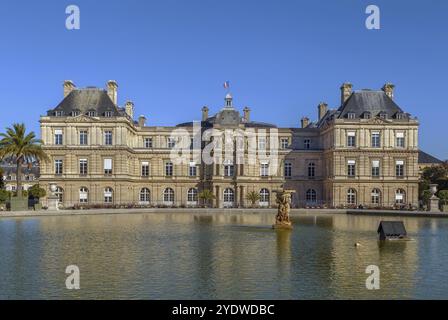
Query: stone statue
(283, 200)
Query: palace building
(364, 152)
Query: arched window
(192, 196)
(229, 197)
(400, 196)
(145, 196)
(83, 195)
(108, 195)
(311, 196)
(376, 196)
(311, 170)
(168, 196)
(351, 196)
(60, 194)
(264, 197)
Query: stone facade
(101, 155)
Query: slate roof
(392, 228)
(371, 101)
(88, 99)
(9, 168)
(424, 157)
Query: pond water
(219, 256)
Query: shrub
(37, 192)
(443, 195)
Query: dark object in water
(392, 230)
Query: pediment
(81, 118)
(377, 120)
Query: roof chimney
(129, 108)
(141, 121)
(68, 87)
(322, 109)
(204, 113)
(388, 88)
(305, 121)
(246, 111)
(112, 90)
(346, 91)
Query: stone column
(242, 204)
(217, 195)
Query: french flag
(226, 85)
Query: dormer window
(399, 116)
(75, 113)
(367, 115)
(383, 115)
(351, 115)
(59, 113)
(108, 114)
(91, 113)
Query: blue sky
(281, 57)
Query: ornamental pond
(219, 256)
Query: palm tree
(253, 197)
(206, 196)
(22, 147)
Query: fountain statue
(433, 200)
(283, 200)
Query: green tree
(22, 147)
(4, 196)
(435, 173)
(426, 194)
(37, 192)
(443, 196)
(252, 197)
(206, 196)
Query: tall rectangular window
(108, 138)
(192, 170)
(375, 168)
(148, 142)
(400, 139)
(228, 170)
(169, 169)
(261, 143)
(351, 139)
(351, 168)
(58, 137)
(107, 166)
(264, 169)
(376, 139)
(399, 168)
(83, 137)
(284, 143)
(171, 143)
(145, 169)
(288, 169)
(307, 144)
(82, 166)
(58, 167)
